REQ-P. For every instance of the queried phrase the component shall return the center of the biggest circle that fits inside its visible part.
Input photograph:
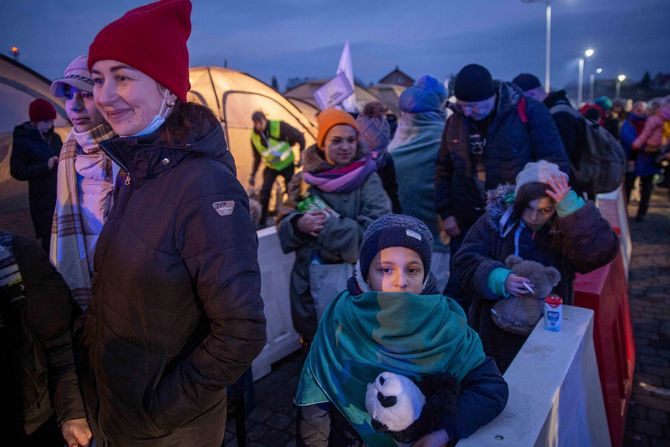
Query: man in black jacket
(34, 158)
(36, 311)
(493, 132)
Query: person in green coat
(329, 206)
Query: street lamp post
(15, 52)
(580, 81)
(592, 85)
(619, 80)
(547, 49)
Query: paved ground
(648, 422)
(272, 422)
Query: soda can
(553, 313)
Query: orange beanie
(330, 118)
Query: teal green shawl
(361, 336)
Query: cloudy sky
(303, 38)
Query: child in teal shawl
(391, 318)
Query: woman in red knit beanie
(35, 149)
(176, 314)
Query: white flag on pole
(345, 66)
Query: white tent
(233, 97)
(19, 86)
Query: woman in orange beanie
(176, 314)
(329, 206)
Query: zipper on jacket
(116, 160)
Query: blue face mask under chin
(153, 126)
(158, 120)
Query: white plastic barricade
(275, 276)
(555, 397)
(613, 208)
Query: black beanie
(396, 230)
(527, 81)
(473, 83)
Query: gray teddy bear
(520, 314)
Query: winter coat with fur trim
(340, 239)
(577, 243)
(176, 314)
(511, 143)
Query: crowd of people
(142, 303)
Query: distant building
(397, 77)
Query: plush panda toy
(407, 410)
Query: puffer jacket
(652, 134)
(338, 242)
(517, 135)
(176, 314)
(30, 154)
(576, 243)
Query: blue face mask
(158, 120)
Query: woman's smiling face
(340, 144)
(127, 98)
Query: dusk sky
(302, 38)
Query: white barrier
(613, 208)
(275, 276)
(555, 398)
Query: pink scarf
(343, 179)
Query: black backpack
(602, 160)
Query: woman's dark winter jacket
(338, 242)
(177, 314)
(483, 395)
(30, 154)
(36, 346)
(577, 243)
(517, 134)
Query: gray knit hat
(539, 172)
(395, 230)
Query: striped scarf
(84, 196)
(342, 179)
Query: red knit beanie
(41, 110)
(330, 118)
(152, 39)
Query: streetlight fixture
(15, 51)
(619, 80)
(547, 50)
(592, 84)
(580, 81)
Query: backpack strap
(521, 110)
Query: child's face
(396, 269)
(538, 212)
